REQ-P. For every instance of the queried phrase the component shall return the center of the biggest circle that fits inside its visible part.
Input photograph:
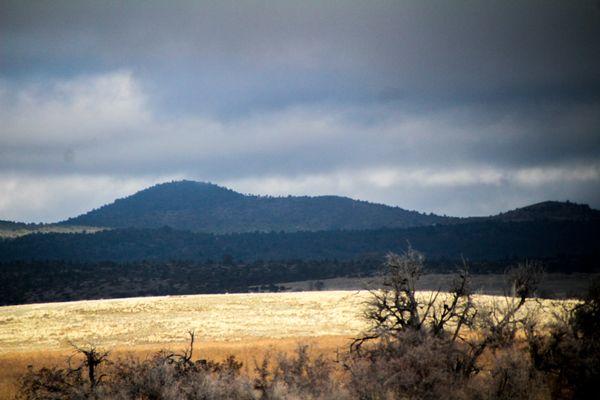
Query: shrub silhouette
(430, 348)
(570, 353)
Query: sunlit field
(155, 320)
(247, 325)
(158, 320)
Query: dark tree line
(62, 280)
(28, 282)
(477, 241)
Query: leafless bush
(569, 354)
(165, 376)
(413, 365)
(424, 348)
(93, 358)
(512, 377)
(176, 376)
(395, 308)
(52, 384)
(298, 377)
(66, 383)
(496, 325)
(158, 378)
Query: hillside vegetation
(10, 229)
(205, 207)
(484, 240)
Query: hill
(551, 210)
(205, 207)
(10, 229)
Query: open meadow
(245, 325)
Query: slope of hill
(10, 229)
(12, 225)
(205, 207)
(551, 210)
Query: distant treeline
(46, 281)
(485, 240)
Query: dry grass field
(246, 325)
(157, 320)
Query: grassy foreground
(245, 325)
(162, 320)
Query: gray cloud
(251, 54)
(459, 108)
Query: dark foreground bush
(172, 376)
(570, 354)
(446, 347)
(299, 377)
(157, 378)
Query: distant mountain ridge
(206, 207)
(551, 210)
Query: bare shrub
(165, 376)
(159, 378)
(52, 384)
(170, 375)
(413, 365)
(512, 377)
(93, 358)
(66, 383)
(570, 353)
(299, 376)
(497, 324)
(395, 308)
(431, 348)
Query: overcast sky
(453, 107)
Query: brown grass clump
(13, 365)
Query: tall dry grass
(245, 325)
(14, 364)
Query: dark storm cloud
(277, 52)
(300, 96)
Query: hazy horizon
(454, 108)
(272, 195)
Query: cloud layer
(463, 109)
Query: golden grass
(155, 320)
(245, 325)
(14, 364)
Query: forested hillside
(484, 240)
(204, 207)
(190, 237)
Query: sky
(452, 107)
